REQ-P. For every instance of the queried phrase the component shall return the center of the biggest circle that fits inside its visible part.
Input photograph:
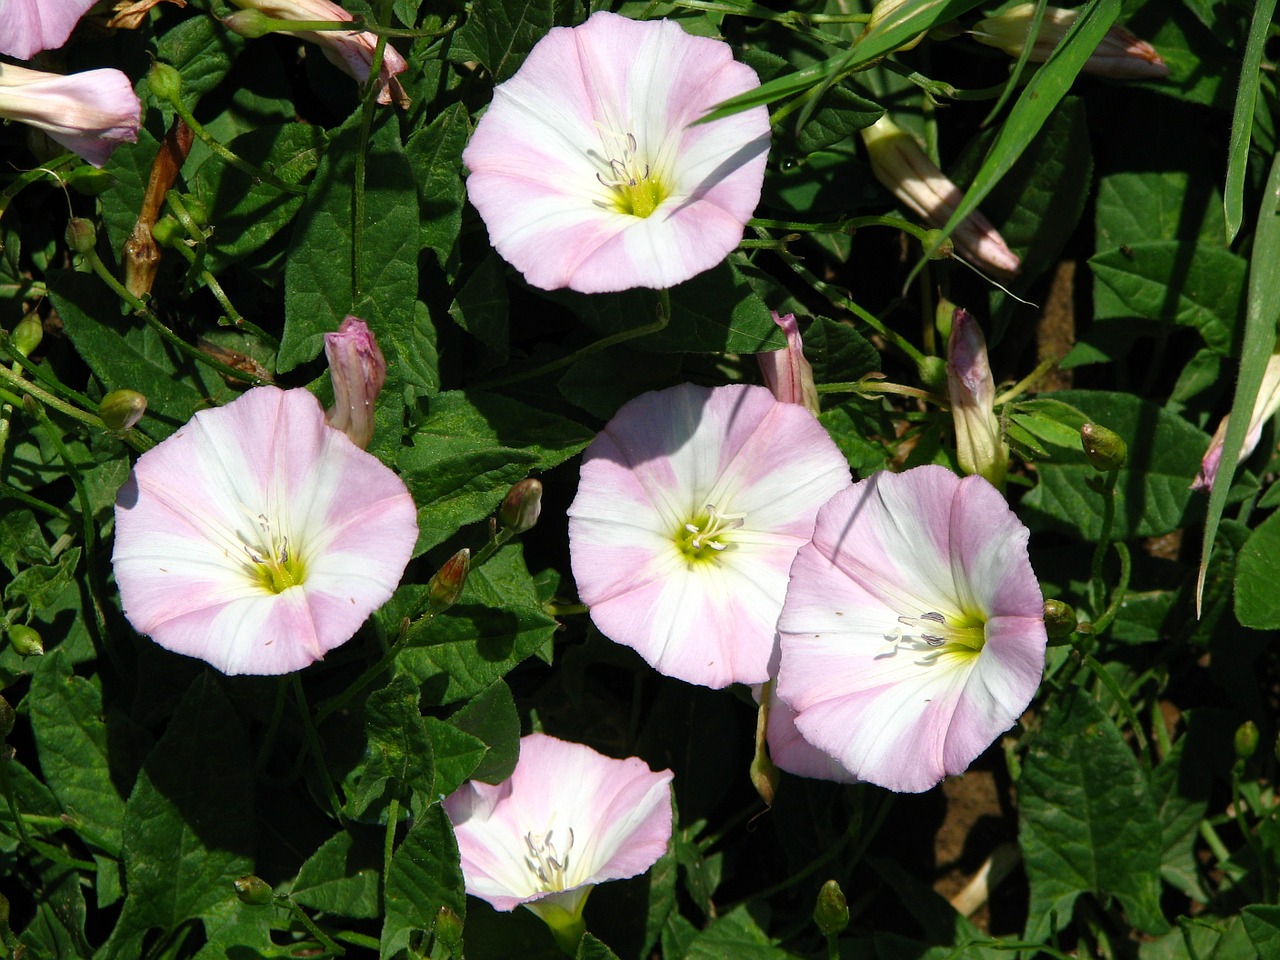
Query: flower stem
(325, 940)
(1097, 589)
(244, 166)
(313, 742)
(138, 441)
(388, 845)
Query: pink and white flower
(89, 113)
(351, 51)
(567, 819)
(586, 167)
(358, 371)
(913, 632)
(29, 26)
(691, 506)
(257, 537)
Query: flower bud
(122, 409)
(980, 445)
(26, 641)
(831, 913)
(446, 586)
(1120, 55)
(27, 335)
(1264, 408)
(448, 928)
(165, 82)
(1103, 448)
(253, 891)
(521, 506)
(358, 371)
(942, 251)
(786, 372)
(81, 236)
(1059, 620)
(168, 232)
(248, 23)
(1246, 739)
(7, 719)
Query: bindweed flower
(257, 537)
(980, 445)
(29, 26)
(913, 631)
(691, 506)
(358, 371)
(1264, 408)
(905, 171)
(351, 51)
(567, 819)
(586, 168)
(89, 113)
(786, 372)
(1120, 55)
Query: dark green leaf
(1257, 602)
(500, 33)
(342, 876)
(491, 717)
(457, 754)
(398, 736)
(435, 153)
(424, 876)
(37, 587)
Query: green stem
(24, 180)
(7, 786)
(325, 940)
(868, 387)
(273, 726)
(1097, 589)
(1238, 806)
(313, 742)
(1022, 385)
(338, 701)
(226, 154)
(232, 315)
(389, 844)
(138, 441)
(1118, 594)
(1126, 707)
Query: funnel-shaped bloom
(257, 537)
(350, 51)
(89, 113)
(980, 445)
(907, 172)
(786, 372)
(358, 371)
(913, 632)
(29, 26)
(567, 819)
(691, 506)
(1120, 55)
(586, 168)
(1264, 408)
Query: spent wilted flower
(257, 537)
(351, 51)
(587, 168)
(786, 372)
(691, 506)
(358, 371)
(89, 113)
(913, 631)
(29, 26)
(980, 445)
(567, 819)
(1264, 408)
(1120, 55)
(907, 172)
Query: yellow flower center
(269, 561)
(633, 186)
(705, 536)
(960, 635)
(548, 865)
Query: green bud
(165, 82)
(521, 506)
(1103, 448)
(831, 913)
(445, 587)
(249, 23)
(932, 372)
(196, 209)
(122, 409)
(90, 181)
(27, 334)
(448, 928)
(7, 719)
(26, 641)
(944, 251)
(253, 891)
(168, 232)
(1246, 739)
(81, 236)
(1059, 620)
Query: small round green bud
(27, 334)
(253, 891)
(944, 251)
(7, 719)
(168, 232)
(81, 236)
(445, 587)
(90, 181)
(122, 409)
(521, 506)
(26, 641)
(831, 913)
(196, 209)
(1246, 739)
(249, 23)
(448, 928)
(1103, 448)
(932, 372)
(164, 81)
(1059, 620)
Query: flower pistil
(707, 529)
(634, 189)
(546, 863)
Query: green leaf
(837, 352)
(343, 875)
(1257, 602)
(1198, 286)
(189, 823)
(735, 936)
(435, 154)
(840, 112)
(1147, 206)
(398, 736)
(481, 307)
(1087, 820)
(202, 50)
(491, 717)
(589, 948)
(500, 33)
(37, 587)
(457, 754)
(425, 875)
(66, 718)
(21, 541)
(1262, 923)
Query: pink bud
(979, 444)
(786, 372)
(1264, 408)
(358, 370)
(1120, 55)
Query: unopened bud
(254, 891)
(248, 23)
(1059, 620)
(448, 928)
(521, 506)
(357, 370)
(886, 15)
(81, 236)
(89, 181)
(168, 232)
(831, 913)
(445, 587)
(1246, 739)
(7, 718)
(943, 247)
(26, 641)
(27, 335)
(932, 372)
(164, 81)
(1103, 448)
(122, 409)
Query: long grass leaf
(1242, 120)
